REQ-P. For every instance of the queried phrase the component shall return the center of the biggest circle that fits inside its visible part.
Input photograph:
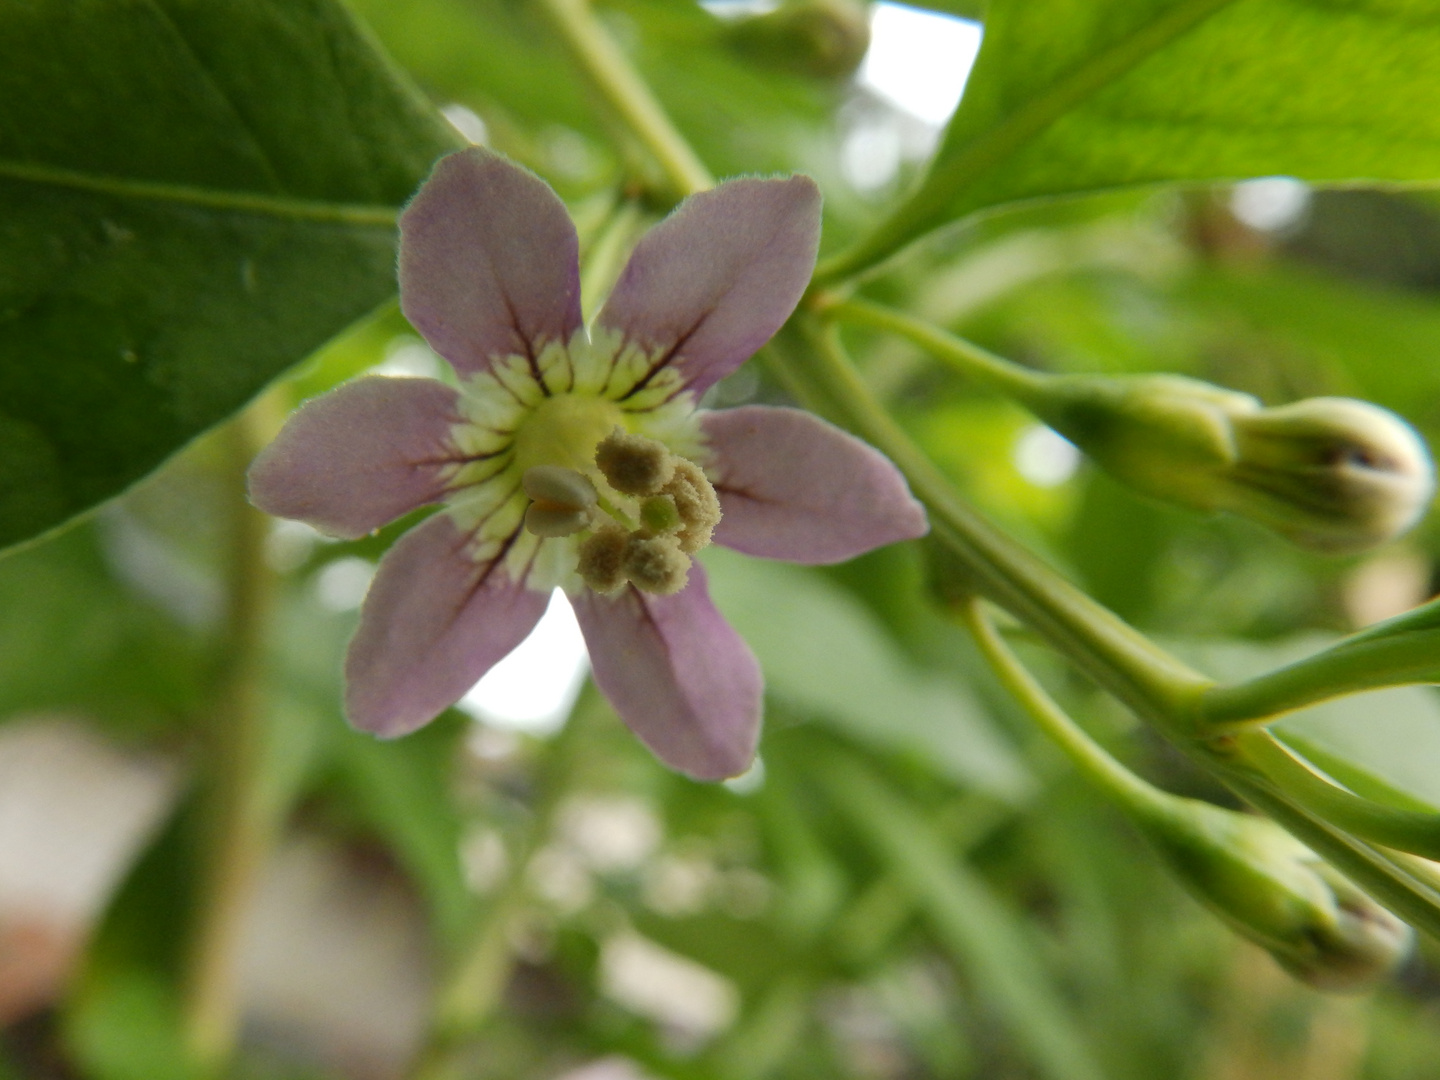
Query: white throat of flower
(538, 421)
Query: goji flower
(579, 458)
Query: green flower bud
(1167, 436)
(1330, 474)
(825, 39)
(1276, 892)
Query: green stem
(1393, 653)
(1409, 887)
(969, 360)
(1406, 830)
(1124, 787)
(1119, 658)
(602, 261)
(237, 824)
(622, 86)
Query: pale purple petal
(793, 487)
(678, 675)
(433, 622)
(489, 261)
(713, 282)
(351, 460)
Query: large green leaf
(1069, 96)
(196, 193)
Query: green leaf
(197, 195)
(824, 655)
(1070, 97)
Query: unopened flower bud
(634, 464)
(1275, 891)
(1330, 474)
(822, 38)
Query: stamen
(563, 500)
(547, 520)
(697, 504)
(602, 558)
(560, 486)
(634, 464)
(656, 564)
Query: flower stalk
(1395, 652)
(964, 357)
(597, 54)
(1124, 661)
(1257, 877)
(237, 821)
(1330, 474)
(1411, 831)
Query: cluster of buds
(658, 511)
(1330, 474)
(1275, 891)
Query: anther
(656, 564)
(563, 500)
(602, 558)
(558, 486)
(634, 464)
(696, 503)
(549, 521)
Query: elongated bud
(1329, 474)
(1167, 436)
(1332, 474)
(1275, 891)
(822, 38)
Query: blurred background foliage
(911, 884)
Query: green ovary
(564, 430)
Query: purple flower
(579, 459)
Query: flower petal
(713, 282)
(793, 487)
(489, 262)
(678, 674)
(351, 460)
(433, 622)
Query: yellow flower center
(565, 430)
